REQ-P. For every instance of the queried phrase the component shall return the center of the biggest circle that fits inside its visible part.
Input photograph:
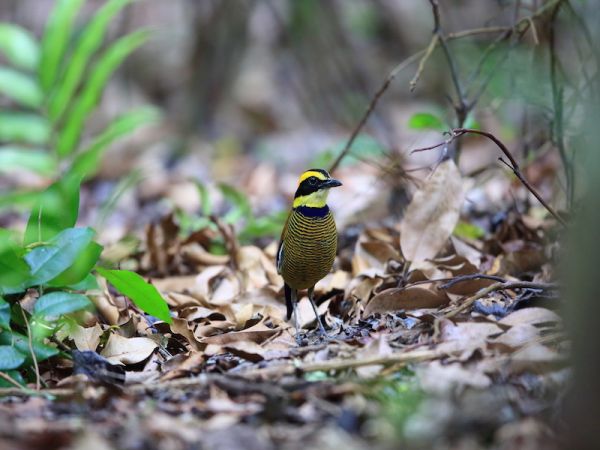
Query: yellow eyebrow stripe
(311, 173)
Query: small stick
(33, 357)
(500, 286)
(386, 83)
(514, 166)
(12, 381)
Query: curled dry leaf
(441, 378)
(532, 316)
(256, 268)
(396, 299)
(105, 306)
(337, 280)
(86, 338)
(432, 214)
(196, 254)
(258, 333)
(218, 284)
(372, 254)
(182, 327)
(128, 350)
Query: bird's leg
(294, 298)
(314, 307)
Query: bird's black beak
(331, 183)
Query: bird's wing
(279, 256)
(280, 249)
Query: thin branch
(408, 61)
(514, 166)
(12, 381)
(522, 26)
(428, 52)
(473, 276)
(500, 286)
(33, 357)
(343, 364)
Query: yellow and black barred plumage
(309, 239)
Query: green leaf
(80, 268)
(21, 200)
(23, 127)
(19, 46)
(468, 231)
(89, 283)
(4, 314)
(426, 121)
(56, 304)
(263, 226)
(90, 41)
(143, 294)
(56, 39)
(13, 270)
(56, 210)
(14, 158)
(21, 343)
(241, 205)
(48, 261)
(20, 87)
(107, 63)
(205, 202)
(87, 162)
(10, 358)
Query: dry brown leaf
(86, 338)
(441, 378)
(337, 280)
(195, 253)
(518, 335)
(182, 327)
(175, 284)
(432, 214)
(217, 284)
(258, 333)
(128, 350)
(256, 268)
(396, 299)
(531, 316)
(248, 350)
(108, 309)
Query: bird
(308, 243)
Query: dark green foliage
(54, 86)
(142, 293)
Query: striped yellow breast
(309, 248)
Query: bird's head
(313, 187)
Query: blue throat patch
(308, 211)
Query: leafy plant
(58, 260)
(54, 86)
(238, 212)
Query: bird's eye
(312, 181)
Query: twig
(500, 286)
(408, 61)
(12, 381)
(33, 357)
(520, 26)
(461, 107)
(343, 364)
(474, 276)
(422, 61)
(514, 166)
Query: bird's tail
(288, 301)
